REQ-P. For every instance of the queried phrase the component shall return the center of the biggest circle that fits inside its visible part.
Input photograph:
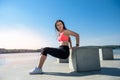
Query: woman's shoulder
(67, 31)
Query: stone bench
(106, 53)
(84, 59)
(62, 60)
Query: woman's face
(59, 26)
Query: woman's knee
(44, 51)
(46, 48)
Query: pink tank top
(63, 37)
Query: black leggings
(62, 52)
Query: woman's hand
(75, 48)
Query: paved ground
(17, 67)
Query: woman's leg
(56, 52)
(44, 53)
(42, 60)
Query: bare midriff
(63, 43)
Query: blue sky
(30, 23)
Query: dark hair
(62, 23)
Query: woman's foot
(36, 71)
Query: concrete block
(106, 53)
(84, 59)
(62, 60)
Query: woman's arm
(76, 35)
(70, 43)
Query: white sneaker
(36, 71)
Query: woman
(63, 51)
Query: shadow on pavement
(103, 71)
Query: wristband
(77, 44)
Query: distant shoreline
(8, 51)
